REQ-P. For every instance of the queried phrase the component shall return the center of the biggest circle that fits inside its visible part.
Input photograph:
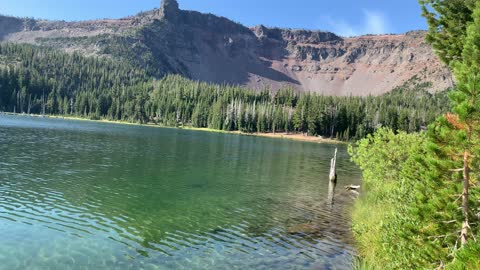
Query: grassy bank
(285, 136)
(406, 220)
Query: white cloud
(373, 23)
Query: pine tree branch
(437, 236)
(459, 197)
(473, 236)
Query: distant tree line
(41, 80)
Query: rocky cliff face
(214, 49)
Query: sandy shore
(285, 136)
(297, 137)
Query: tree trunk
(466, 183)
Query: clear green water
(83, 195)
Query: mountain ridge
(212, 48)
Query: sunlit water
(83, 195)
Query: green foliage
(423, 198)
(467, 258)
(408, 217)
(448, 21)
(455, 149)
(386, 224)
(467, 72)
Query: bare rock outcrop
(169, 10)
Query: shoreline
(283, 136)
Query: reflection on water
(331, 192)
(78, 195)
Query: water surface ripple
(83, 195)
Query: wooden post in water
(333, 167)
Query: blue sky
(344, 17)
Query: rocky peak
(260, 30)
(169, 9)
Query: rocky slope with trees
(214, 49)
(41, 80)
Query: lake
(88, 195)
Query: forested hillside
(41, 80)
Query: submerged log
(333, 167)
(304, 228)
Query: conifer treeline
(41, 80)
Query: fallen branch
(352, 187)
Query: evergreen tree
(448, 21)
